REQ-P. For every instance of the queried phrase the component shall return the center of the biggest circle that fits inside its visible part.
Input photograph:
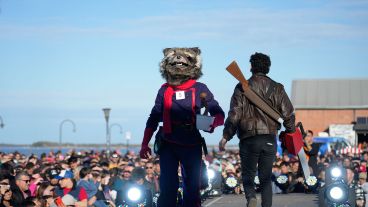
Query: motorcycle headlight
(282, 179)
(231, 182)
(134, 194)
(337, 193)
(256, 180)
(311, 181)
(211, 174)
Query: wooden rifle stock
(235, 71)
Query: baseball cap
(65, 174)
(53, 173)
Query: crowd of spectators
(92, 178)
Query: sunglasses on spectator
(26, 181)
(149, 167)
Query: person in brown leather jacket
(256, 130)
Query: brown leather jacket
(247, 120)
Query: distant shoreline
(71, 145)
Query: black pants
(190, 159)
(258, 150)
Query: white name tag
(180, 95)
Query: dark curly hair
(260, 63)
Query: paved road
(288, 200)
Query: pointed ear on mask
(166, 50)
(196, 50)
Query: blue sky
(70, 59)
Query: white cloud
(259, 25)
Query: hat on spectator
(65, 174)
(363, 175)
(53, 173)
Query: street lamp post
(128, 136)
(107, 115)
(1, 122)
(61, 130)
(117, 125)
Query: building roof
(330, 94)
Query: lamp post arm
(61, 129)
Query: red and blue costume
(176, 107)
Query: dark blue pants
(190, 161)
(258, 150)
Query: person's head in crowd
(94, 162)
(6, 198)
(104, 165)
(349, 175)
(114, 158)
(76, 172)
(230, 170)
(322, 175)
(66, 179)
(45, 194)
(362, 178)
(31, 202)
(294, 167)
(284, 168)
(276, 169)
(127, 172)
(4, 185)
(64, 164)
(73, 162)
(365, 156)
(115, 172)
(43, 157)
(347, 163)
(36, 177)
(138, 175)
(17, 156)
(149, 168)
(356, 165)
(45, 189)
(285, 157)
(309, 137)
(105, 177)
(96, 175)
(7, 168)
(85, 173)
(22, 181)
(33, 159)
(51, 175)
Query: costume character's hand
(145, 150)
(222, 144)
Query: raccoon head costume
(181, 64)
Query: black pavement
(279, 200)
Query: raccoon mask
(181, 64)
